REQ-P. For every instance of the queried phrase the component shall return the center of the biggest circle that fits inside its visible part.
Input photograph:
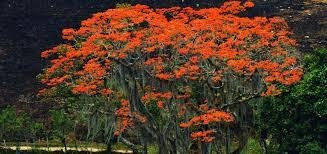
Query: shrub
(295, 121)
(61, 126)
(17, 127)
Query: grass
(252, 147)
(119, 146)
(152, 149)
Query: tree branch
(242, 100)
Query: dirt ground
(30, 26)
(52, 149)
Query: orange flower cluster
(106, 92)
(55, 81)
(190, 71)
(271, 91)
(90, 78)
(204, 136)
(126, 118)
(68, 34)
(158, 97)
(235, 7)
(124, 114)
(210, 116)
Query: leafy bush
(11, 124)
(252, 147)
(17, 127)
(61, 125)
(312, 148)
(295, 121)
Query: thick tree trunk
(263, 145)
(162, 145)
(144, 141)
(109, 149)
(129, 144)
(63, 141)
(204, 148)
(228, 140)
(145, 147)
(173, 146)
(47, 138)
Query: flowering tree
(180, 74)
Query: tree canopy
(181, 75)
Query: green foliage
(295, 121)
(11, 124)
(314, 84)
(312, 148)
(34, 128)
(252, 147)
(62, 124)
(153, 149)
(15, 127)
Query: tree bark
(109, 150)
(228, 140)
(129, 144)
(145, 147)
(204, 148)
(63, 141)
(162, 145)
(263, 145)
